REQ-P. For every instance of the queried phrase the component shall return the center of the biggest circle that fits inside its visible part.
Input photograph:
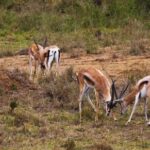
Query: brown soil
(113, 64)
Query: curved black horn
(113, 90)
(123, 90)
(45, 42)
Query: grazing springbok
(141, 90)
(92, 78)
(37, 56)
(52, 54)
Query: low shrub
(100, 147)
(69, 144)
(6, 53)
(61, 90)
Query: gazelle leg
(133, 109)
(35, 68)
(97, 105)
(30, 66)
(50, 62)
(38, 70)
(57, 57)
(90, 102)
(82, 93)
(145, 109)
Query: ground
(35, 124)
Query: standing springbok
(141, 90)
(53, 54)
(92, 78)
(37, 56)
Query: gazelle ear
(113, 90)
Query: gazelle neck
(129, 99)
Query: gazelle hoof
(115, 119)
(127, 123)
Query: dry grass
(61, 90)
(46, 117)
(6, 53)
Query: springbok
(141, 90)
(37, 56)
(92, 78)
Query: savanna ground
(43, 115)
(46, 115)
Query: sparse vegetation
(62, 90)
(88, 24)
(44, 115)
(6, 53)
(13, 105)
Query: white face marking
(108, 98)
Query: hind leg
(57, 59)
(82, 93)
(145, 109)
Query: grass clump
(1, 90)
(100, 147)
(61, 90)
(69, 144)
(134, 75)
(6, 53)
(13, 105)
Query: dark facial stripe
(88, 80)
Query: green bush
(67, 21)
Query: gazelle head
(119, 98)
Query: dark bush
(61, 89)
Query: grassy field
(87, 24)
(45, 116)
(110, 35)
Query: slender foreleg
(97, 104)
(57, 59)
(82, 93)
(134, 107)
(50, 63)
(145, 109)
(30, 67)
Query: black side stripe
(88, 80)
(48, 56)
(142, 83)
(140, 95)
(58, 56)
(54, 54)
